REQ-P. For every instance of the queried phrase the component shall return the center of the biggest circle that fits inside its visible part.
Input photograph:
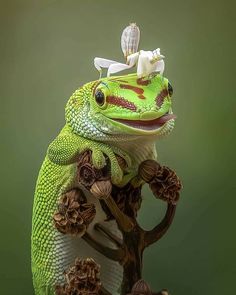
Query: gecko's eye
(170, 89)
(100, 97)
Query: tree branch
(113, 254)
(159, 230)
(102, 229)
(122, 219)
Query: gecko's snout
(148, 115)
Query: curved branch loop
(159, 230)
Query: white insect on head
(130, 39)
(147, 62)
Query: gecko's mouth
(147, 124)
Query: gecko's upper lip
(147, 124)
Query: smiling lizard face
(122, 105)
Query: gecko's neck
(139, 149)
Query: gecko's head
(122, 105)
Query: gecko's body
(118, 115)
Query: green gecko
(121, 115)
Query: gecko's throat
(147, 124)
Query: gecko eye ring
(99, 97)
(170, 89)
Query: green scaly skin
(96, 127)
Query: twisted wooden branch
(159, 230)
(164, 184)
(114, 254)
(113, 238)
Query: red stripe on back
(120, 101)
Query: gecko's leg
(108, 234)
(67, 146)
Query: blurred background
(46, 52)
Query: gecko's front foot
(100, 150)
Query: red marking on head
(161, 96)
(140, 81)
(141, 96)
(137, 90)
(120, 101)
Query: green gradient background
(47, 51)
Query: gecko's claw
(99, 161)
(123, 155)
(116, 173)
